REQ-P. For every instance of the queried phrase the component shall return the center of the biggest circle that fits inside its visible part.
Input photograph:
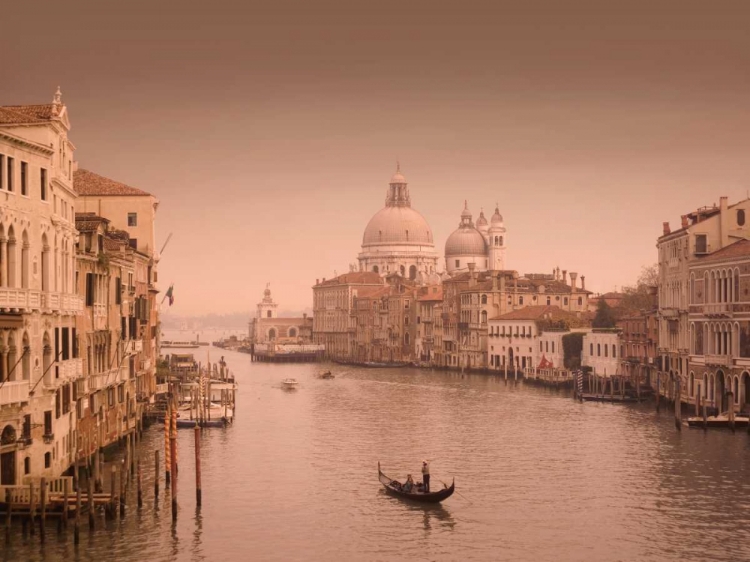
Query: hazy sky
(269, 131)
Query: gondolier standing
(426, 476)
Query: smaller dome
(466, 213)
(497, 218)
(481, 221)
(465, 242)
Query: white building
(398, 239)
(40, 366)
(601, 352)
(482, 245)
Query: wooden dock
(717, 422)
(611, 398)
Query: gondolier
(426, 476)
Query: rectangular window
(57, 404)
(65, 344)
(123, 328)
(701, 244)
(66, 399)
(2, 163)
(133, 242)
(75, 344)
(89, 289)
(118, 290)
(48, 422)
(47, 460)
(11, 167)
(24, 178)
(43, 183)
(132, 219)
(27, 426)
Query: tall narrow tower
(266, 307)
(496, 238)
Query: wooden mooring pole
(156, 475)
(677, 405)
(705, 415)
(139, 485)
(123, 479)
(730, 412)
(91, 504)
(173, 455)
(167, 446)
(43, 504)
(8, 514)
(113, 492)
(658, 381)
(31, 509)
(66, 493)
(77, 528)
(197, 465)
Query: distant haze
(269, 132)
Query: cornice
(30, 145)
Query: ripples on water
(539, 477)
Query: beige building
(40, 364)
(702, 232)
(267, 326)
(333, 323)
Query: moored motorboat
(290, 383)
(394, 488)
(326, 375)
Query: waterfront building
(131, 216)
(702, 232)
(398, 239)
(531, 337)
(333, 322)
(266, 326)
(115, 386)
(719, 329)
(471, 298)
(40, 367)
(429, 334)
(601, 352)
(482, 245)
(639, 339)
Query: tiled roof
(740, 249)
(89, 183)
(22, 114)
(369, 292)
(113, 245)
(434, 293)
(89, 222)
(551, 312)
(353, 278)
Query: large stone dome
(466, 241)
(397, 225)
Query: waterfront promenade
(546, 478)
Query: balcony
(721, 309)
(132, 346)
(14, 392)
(70, 369)
(670, 312)
(62, 302)
(719, 360)
(20, 300)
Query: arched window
(45, 263)
(272, 334)
(25, 260)
(26, 362)
(375, 269)
(406, 338)
(413, 272)
(736, 293)
(606, 348)
(580, 301)
(292, 332)
(11, 271)
(484, 317)
(402, 269)
(484, 299)
(501, 241)
(614, 350)
(740, 217)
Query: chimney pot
(583, 282)
(565, 276)
(684, 221)
(666, 228)
(317, 281)
(573, 277)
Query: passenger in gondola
(409, 485)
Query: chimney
(565, 276)
(583, 282)
(723, 222)
(666, 228)
(573, 276)
(684, 222)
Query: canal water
(540, 477)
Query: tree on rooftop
(572, 348)
(641, 296)
(604, 318)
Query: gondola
(393, 487)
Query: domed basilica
(399, 240)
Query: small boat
(326, 375)
(721, 421)
(393, 487)
(376, 364)
(290, 383)
(180, 344)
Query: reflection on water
(538, 477)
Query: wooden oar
(459, 493)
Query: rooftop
(86, 182)
(24, 114)
(739, 249)
(353, 278)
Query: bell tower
(497, 240)
(266, 307)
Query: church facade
(267, 326)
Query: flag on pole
(168, 295)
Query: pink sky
(269, 135)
